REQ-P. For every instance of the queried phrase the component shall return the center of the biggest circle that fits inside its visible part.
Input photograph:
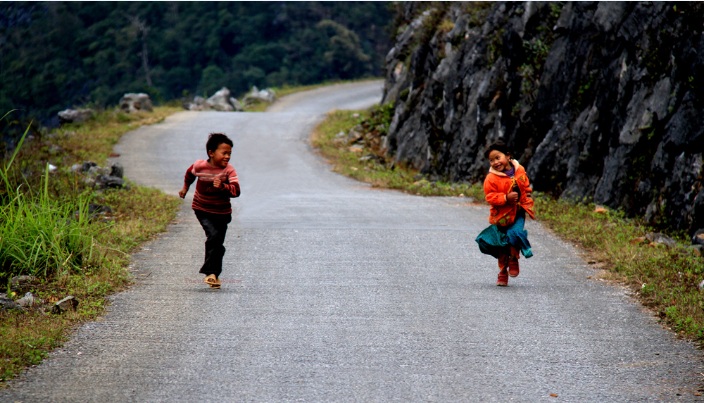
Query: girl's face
(499, 161)
(221, 156)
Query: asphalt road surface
(334, 291)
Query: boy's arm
(232, 185)
(188, 179)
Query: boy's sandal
(212, 281)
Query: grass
(366, 163)
(665, 279)
(46, 231)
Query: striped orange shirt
(207, 197)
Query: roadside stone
(220, 101)
(27, 301)
(7, 304)
(19, 282)
(67, 304)
(237, 104)
(108, 181)
(101, 177)
(75, 115)
(132, 102)
(117, 170)
(639, 241)
(660, 239)
(698, 238)
(255, 94)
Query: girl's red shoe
(502, 280)
(513, 269)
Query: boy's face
(221, 156)
(499, 161)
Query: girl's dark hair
(215, 140)
(499, 146)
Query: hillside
(57, 55)
(600, 100)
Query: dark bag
(492, 241)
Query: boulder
(28, 301)
(7, 304)
(132, 102)
(257, 95)
(20, 282)
(237, 104)
(67, 304)
(101, 177)
(75, 115)
(197, 104)
(220, 101)
(698, 237)
(660, 239)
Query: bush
(41, 234)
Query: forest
(57, 55)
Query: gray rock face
(599, 100)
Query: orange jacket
(497, 185)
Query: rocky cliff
(601, 101)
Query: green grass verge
(665, 279)
(46, 231)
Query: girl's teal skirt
(497, 241)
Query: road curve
(334, 291)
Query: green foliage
(59, 54)
(211, 80)
(40, 234)
(494, 47)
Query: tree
(211, 80)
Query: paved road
(334, 291)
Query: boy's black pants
(215, 227)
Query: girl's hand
(512, 198)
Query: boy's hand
(512, 198)
(182, 192)
(216, 182)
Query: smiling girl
(508, 192)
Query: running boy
(508, 192)
(217, 183)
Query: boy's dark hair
(499, 146)
(215, 140)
